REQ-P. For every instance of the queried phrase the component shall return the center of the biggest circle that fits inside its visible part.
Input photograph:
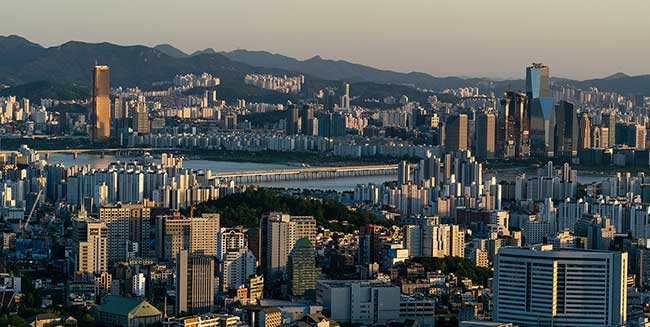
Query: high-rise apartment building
(426, 238)
(141, 122)
(456, 133)
(100, 114)
(230, 239)
(128, 230)
(90, 246)
(236, 267)
(278, 234)
(194, 283)
(541, 287)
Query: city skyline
(478, 39)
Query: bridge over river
(305, 173)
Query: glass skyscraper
(541, 110)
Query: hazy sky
(493, 38)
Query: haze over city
(579, 39)
(158, 170)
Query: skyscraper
(456, 133)
(513, 131)
(307, 121)
(539, 105)
(584, 132)
(331, 124)
(541, 287)
(302, 270)
(542, 126)
(566, 130)
(100, 114)
(345, 99)
(485, 134)
(293, 120)
(608, 119)
(537, 81)
(194, 283)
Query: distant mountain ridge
(171, 51)
(343, 70)
(23, 62)
(347, 71)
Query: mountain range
(69, 63)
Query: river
(338, 184)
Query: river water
(338, 184)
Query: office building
(541, 287)
(485, 136)
(175, 233)
(331, 124)
(90, 246)
(608, 120)
(100, 129)
(278, 234)
(584, 132)
(302, 270)
(537, 81)
(194, 283)
(540, 108)
(513, 127)
(566, 130)
(370, 244)
(307, 121)
(365, 302)
(456, 133)
(293, 120)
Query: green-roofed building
(126, 311)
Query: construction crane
(31, 212)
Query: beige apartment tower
(100, 114)
(90, 247)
